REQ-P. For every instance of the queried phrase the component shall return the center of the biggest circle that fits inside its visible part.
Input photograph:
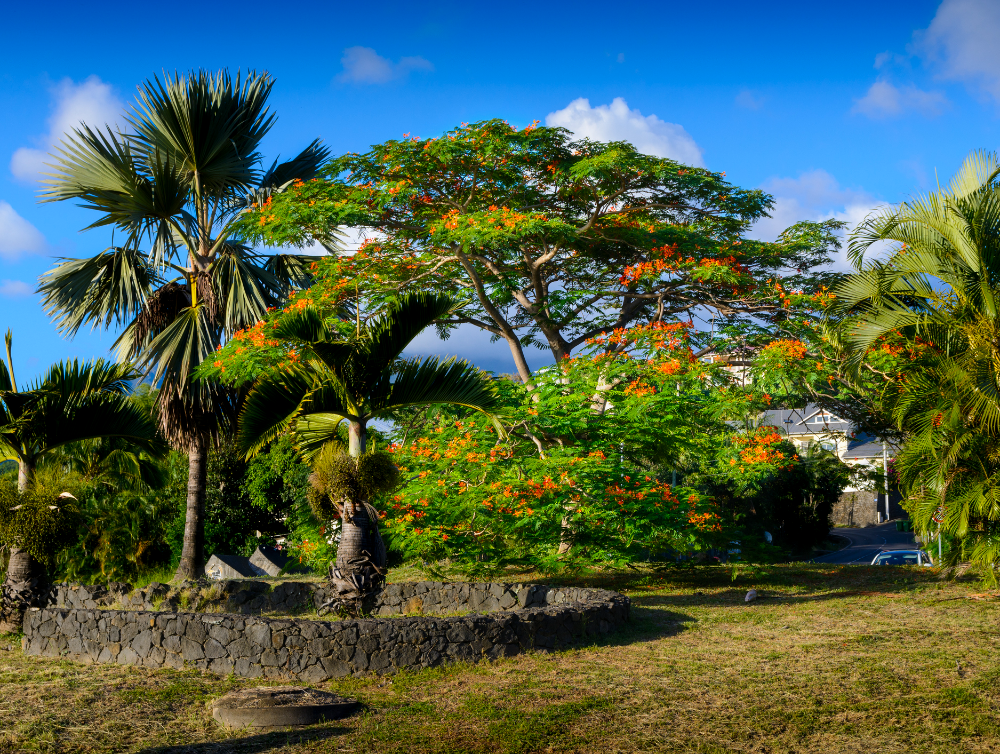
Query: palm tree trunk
(192, 563)
(357, 435)
(25, 475)
(24, 586)
(361, 555)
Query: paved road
(867, 543)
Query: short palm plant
(937, 299)
(355, 380)
(178, 280)
(72, 403)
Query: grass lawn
(830, 659)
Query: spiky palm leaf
(358, 379)
(940, 287)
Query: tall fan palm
(175, 183)
(939, 291)
(355, 380)
(72, 402)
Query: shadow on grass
(252, 744)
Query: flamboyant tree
(550, 240)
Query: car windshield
(898, 558)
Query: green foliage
(582, 473)
(337, 478)
(38, 522)
(73, 402)
(121, 536)
(764, 484)
(274, 479)
(933, 305)
(232, 519)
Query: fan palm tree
(939, 290)
(355, 380)
(179, 281)
(73, 402)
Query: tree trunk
(361, 555)
(357, 435)
(192, 563)
(24, 586)
(25, 475)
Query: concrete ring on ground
(280, 707)
(517, 618)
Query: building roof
(810, 420)
(867, 446)
(236, 563)
(269, 560)
(814, 420)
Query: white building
(860, 504)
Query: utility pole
(885, 473)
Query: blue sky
(833, 108)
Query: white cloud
(362, 65)
(962, 42)
(17, 235)
(814, 196)
(616, 122)
(884, 99)
(621, 57)
(351, 241)
(749, 100)
(15, 289)
(91, 101)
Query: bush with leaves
(39, 523)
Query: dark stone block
(259, 633)
(195, 629)
(241, 648)
(214, 650)
(191, 650)
(314, 674)
(142, 643)
(405, 656)
(336, 668)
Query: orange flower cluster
(788, 350)
(255, 336)
(705, 521)
(667, 368)
(759, 448)
(660, 492)
(653, 268)
(661, 335)
(639, 389)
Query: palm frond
(385, 337)
(271, 408)
(303, 167)
(208, 125)
(432, 381)
(244, 288)
(107, 289)
(180, 347)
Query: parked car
(903, 557)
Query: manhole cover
(280, 707)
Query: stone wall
(250, 597)
(529, 617)
(855, 510)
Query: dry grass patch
(830, 659)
